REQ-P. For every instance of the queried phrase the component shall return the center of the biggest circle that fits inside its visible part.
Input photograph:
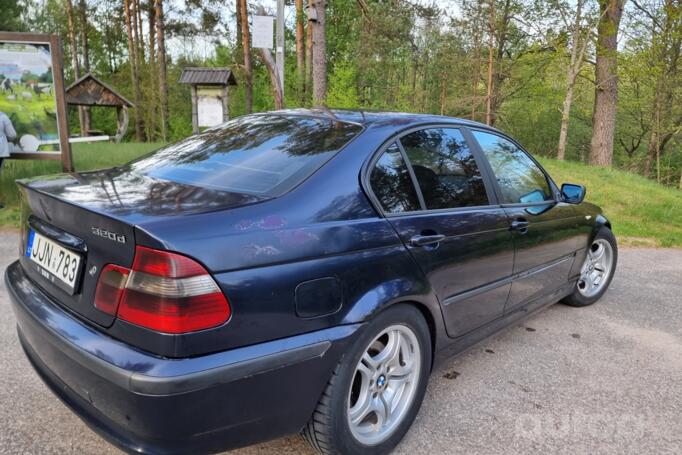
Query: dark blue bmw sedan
(293, 271)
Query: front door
(433, 193)
(544, 228)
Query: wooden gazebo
(90, 91)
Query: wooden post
(226, 114)
(122, 121)
(195, 113)
(62, 114)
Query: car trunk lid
(94, 216)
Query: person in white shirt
(7, 135)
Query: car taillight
(163, 291)
(165, 264)
(110, 288)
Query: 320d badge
(113, 236)
(293, 271)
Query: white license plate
(56, 264)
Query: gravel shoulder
(602, 379)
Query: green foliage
(10, 15)
(342, 89)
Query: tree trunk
(161, 58)
(565, 116)
(414, 72)
(138, 39)
(300, 49)
(500, 29)
(246, 45)
(666, 47)
(319, 55)
(425, 82)
(577, 54)
(151, 21)
(274, 78)
(73, 48)
(476, 60)
(491, 63)
(442, 93)
(476, 77)
(153, 105)
(654, 139)
(82, 10)
(606, 83)
(309, 53)
(238, 13)
(72, 39)
(132, 61)
(139, 35)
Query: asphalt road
(603, 379)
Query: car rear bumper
(149, 404)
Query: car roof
(379, 118)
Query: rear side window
(264, 155)
(519, 178)
(446, 171)
(392, 184)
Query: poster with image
(27, 95)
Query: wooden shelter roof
(207, 76)
(90, 91)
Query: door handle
(520, 225)
(423, 240)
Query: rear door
(544, 228)
(432, 191)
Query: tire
(587, 294)
(330, 431)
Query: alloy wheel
(596, 269)
(384, 384)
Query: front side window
(446, 170)
(392, 184)
(519, 178)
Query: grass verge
(642, 212)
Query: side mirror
(573, 194)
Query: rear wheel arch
(413, 290)
(430, 322)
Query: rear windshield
(260, 154)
